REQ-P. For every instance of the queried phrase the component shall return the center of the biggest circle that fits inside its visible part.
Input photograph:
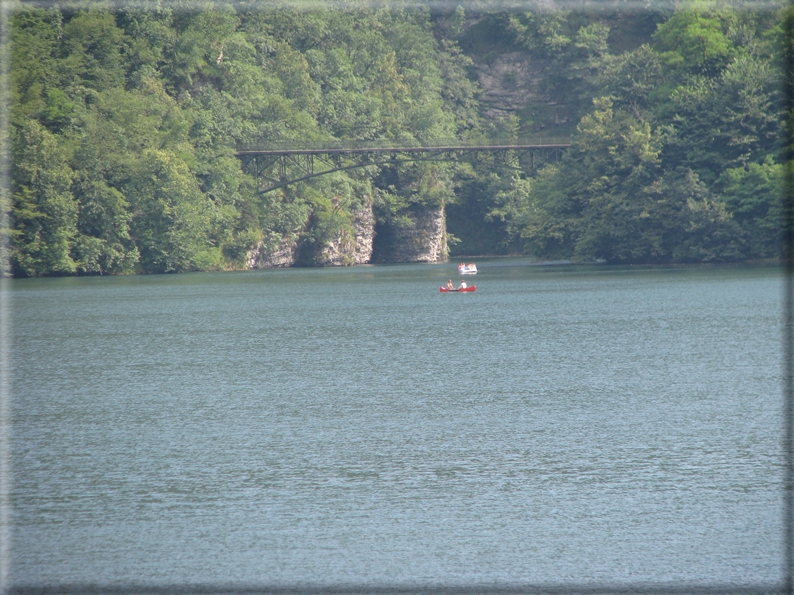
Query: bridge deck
(243, 151)
(288, 164)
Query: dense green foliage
(124, 125)
(676, 156)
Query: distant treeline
(124, 124)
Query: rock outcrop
(282, 256)
(510, 80)
(423, 240)
(365, 234)
(344, 250)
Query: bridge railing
(386, 144)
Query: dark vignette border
(786, 586)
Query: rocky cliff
(282, 256)
(347, 249)
(513, 83)
(423, 239)
(510, 81)
(343, 250)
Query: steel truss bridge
(277, 167)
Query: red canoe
(445, 290)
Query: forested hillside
(125, 123)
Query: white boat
(467, 269)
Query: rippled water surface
(561, 425)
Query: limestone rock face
(346, 250)
(424, 240)
(283, 256)
(510, 81)
(365, 234)
(513, 80)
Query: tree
(92, 45)
(547, 32)
(171, 217)
(631, 79)
(612, 200)
(150, 35)
(44, 210)
(103, 244)
(754, 195)
(35, 37)
(728, 121)
(693, 41)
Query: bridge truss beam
(278, 168)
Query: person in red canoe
(463, 285)
(450, 285)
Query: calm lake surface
(559, 426)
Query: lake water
(560, 426)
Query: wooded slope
(124, 125)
